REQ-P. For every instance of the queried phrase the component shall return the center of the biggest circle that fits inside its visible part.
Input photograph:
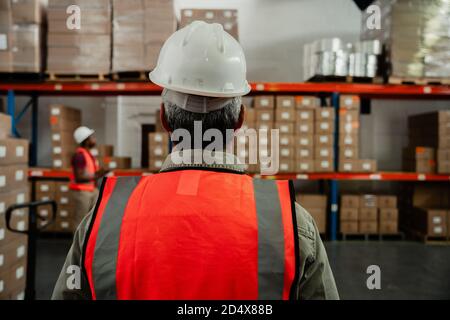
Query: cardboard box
(346, 165)
(368, 227)
(443, 167)
(349, 227)
(285, 102)
(368, 201)
(367, 165)
(61, 161)
(349, 214)
(419, 153)
(303, 102)
(349, 102)
(285, 127)
(348, 127)
(348, 153)
(325, 114)
(310, 201)
(286, 166)
(324, 140)
(368, 214)
(287, 153)
(264, 115)
(45, 187)
(264, 125)
(350, 201)
(430, 222)
(103, 150)
(112, 163)
(303, 141)
(304, 128)
(319, 216)
(304, 165)
(324, 165)
(388, 227)
(387, 201)
(12, 280)
(264, 102)
(285, 114)
(13, 151)
(348, 115)
(13, 177)
(388, 214)
(305, 115)
(13, 253)
(323, 152)
(348, 140)
(5, 126)
(324, 127)
(304, 153)
(62, 189)
(155, 164)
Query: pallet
(374, 236)
(130, 76)
(76, 77)
(22, 76)
(345, 79)
(419, 81)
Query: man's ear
(241, 118)
(162, 117)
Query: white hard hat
(82, 133)
(202, 59)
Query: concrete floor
(409, 270)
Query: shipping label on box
(367, 165)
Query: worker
(198, 231)
(85, 172)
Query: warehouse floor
(409, 270)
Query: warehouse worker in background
(85, 172)
(198, 231)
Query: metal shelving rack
(334, 90)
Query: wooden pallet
(415, 235)
(130, 76)
(345, 79)
(76, 77)
(419, 81)
(373, 236)
(22, 76)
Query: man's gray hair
(224, 118)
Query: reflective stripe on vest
(91, 168)
(193, 234)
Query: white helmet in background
(202, 59)
(82, 133)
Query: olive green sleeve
(316, 278)
(72, 283)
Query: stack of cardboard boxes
(226, 17)
(83, 48)
(65, 215)
(63, 122)
(316, 205)
(429, 143)
(324, 130)
(349, 124)
(426, 211)
(140, 28)
(21, 35)
(158, 149)
(105, 156)
(369, 214)
(13, 190)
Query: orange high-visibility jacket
(91, 168)
(193, 234)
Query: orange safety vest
(91, 168)
(193, 234)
